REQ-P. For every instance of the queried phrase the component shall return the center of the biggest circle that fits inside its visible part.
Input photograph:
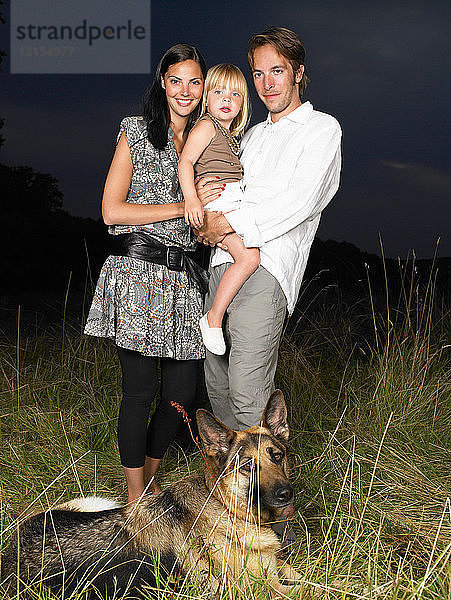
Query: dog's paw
(290, 576)
(208, 583)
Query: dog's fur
(208, 524)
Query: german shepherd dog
(208, 525)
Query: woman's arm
(115, 209)
(198, 139)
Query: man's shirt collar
(301, 114)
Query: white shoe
(212, 337)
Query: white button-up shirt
(291, 172)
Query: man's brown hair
(287, 43)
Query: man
(291, 171)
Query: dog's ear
(216, 436)
(275, 416)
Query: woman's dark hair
(155, 107)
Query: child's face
(224, 104)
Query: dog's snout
(284, 493)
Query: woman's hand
(208, 188)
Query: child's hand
(194, 213)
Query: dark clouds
(381, 68)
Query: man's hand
(214, 229)
(208, 189)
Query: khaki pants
(240, 382)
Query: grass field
(368, 392)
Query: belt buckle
(174, 258)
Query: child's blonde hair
(229, 76)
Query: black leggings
(136, 438)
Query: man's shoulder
(324, 120)
(250, 132)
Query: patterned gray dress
(141, 305)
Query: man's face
(275, 82)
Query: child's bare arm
(198, 139)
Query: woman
(148, 297)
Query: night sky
(381, 68)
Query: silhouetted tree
(29, 192)
(42, 243)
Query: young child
(212, 149)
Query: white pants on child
(230, 198)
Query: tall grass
(367, 386)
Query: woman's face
(183, 83)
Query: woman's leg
(139, 386)
(150, 469)
(246, 262)
(178, 385)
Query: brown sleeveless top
(218, 159)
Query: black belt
(144, 247)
